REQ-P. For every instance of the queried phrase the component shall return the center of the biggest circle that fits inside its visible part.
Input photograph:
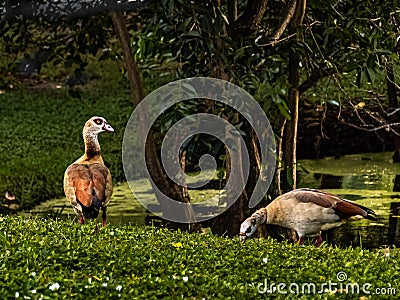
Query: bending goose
(307, 211)
(87, 181)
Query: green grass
(131, 262)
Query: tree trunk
(228, 223)
(155, 169)
(290, 133)
(393, 104)
(289, 151)
(250, 20)
(391, 86)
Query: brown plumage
(87, 181)
(307, 211)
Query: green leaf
(384, 51)
(239, 53)
(371, 75)
(190, 34)
(333, 102)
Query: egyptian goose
(307, 211)
(87, 181)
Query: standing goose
(308, 212)
(87, 181)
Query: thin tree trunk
(232, 11)
(155, 169)
(290, 134)
(290, 131)
(391, 86)
(280, 159)
(393, 104)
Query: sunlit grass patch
(61, 259)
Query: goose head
(248, 227)
(96, 125)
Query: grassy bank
(47, 259)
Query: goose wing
(343, 208)
(88, 183)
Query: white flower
(111, 232)
(119, 288)
(185, 278)
(16, 294)
(33, 274)
(33, 291)
(104, 284)
(107, 278)
(54, 286)
(265, 259)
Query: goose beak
(107, 127)
(242, 237)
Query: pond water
(371, 179)
(368, 179)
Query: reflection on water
(369, 179)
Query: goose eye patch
(98, 121)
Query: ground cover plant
(54, 259)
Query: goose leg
(81, 220)
(301, 241)
(318, 241)
(104, 216)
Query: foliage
(335, 38)
(194, 36)
(349, 38)
(48, 259)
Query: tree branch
(315, 77)
(232, 11)
(285, 22)
(298, 16)
(387, 127)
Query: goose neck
(92, 145)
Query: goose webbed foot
(318, 241)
